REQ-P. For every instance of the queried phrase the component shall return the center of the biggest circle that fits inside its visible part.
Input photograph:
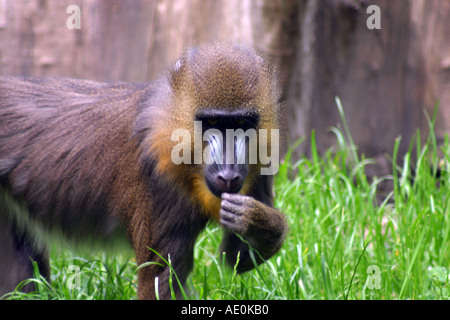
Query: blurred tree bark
(385, 77)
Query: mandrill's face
(227, 135)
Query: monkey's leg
(153, 282)
(17, 250)
(167, 283)
(175, 247)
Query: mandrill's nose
(229, 181)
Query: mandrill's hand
(262, 226)
(251, 218)
(236, 212)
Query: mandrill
(151, 163)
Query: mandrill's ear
(177, 74)
(179, 70)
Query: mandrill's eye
(213, 121)
(241, 121)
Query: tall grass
(99, 277)
(344, 242)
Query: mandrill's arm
(262, 226)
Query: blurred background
(386, 78)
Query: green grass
(345, 240)
(101, 277)
(342, 230)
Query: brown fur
(91, 159)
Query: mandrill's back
(60, 141)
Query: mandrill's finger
(231, 222)
(235, 198)
(231, 207)
(227, 215)
(228, 225)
